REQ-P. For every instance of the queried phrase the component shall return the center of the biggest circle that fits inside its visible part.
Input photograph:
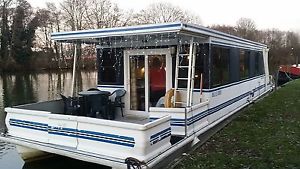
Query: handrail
(200, 104)
(201, 87)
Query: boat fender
(168, 98)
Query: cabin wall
(237, 76)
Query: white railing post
(74, 71)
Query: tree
(225, 28)
(165, 12)
(102, 14)
(5, 32)
(292, 44)
(277, 53)
(45, 28)
(23, 33)
(55, 25)
(17, 35)
(74, 11)
(246, 28)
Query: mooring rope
(133, 163)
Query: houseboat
(159, 87)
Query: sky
(283, 15)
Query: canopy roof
(179, 27)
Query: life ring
(168, 98)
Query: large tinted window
(258, 64)
(201, 66)
(244, 63)
(110, 69)
(220, 65)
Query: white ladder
(189, 80)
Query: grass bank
(264, 135)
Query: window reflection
(220, 65)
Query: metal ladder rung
(183, 66)
(189, 80)
(181, 89)
(185, 54)
(180, 102)
(182, 78)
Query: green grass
(265, 135)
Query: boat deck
(56, 107)
(133, 119)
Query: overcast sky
(284, 15)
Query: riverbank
(264, 135)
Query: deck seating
(118, 99)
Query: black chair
(100, 104)
(71, 105)
(118, 99)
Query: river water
(24, 88)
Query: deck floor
(133, 119)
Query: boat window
(244, 64)
(220, 65)
(110, 66)
(259, 64)
(200, 66)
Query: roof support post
(74, 71)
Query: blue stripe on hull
(68, 132)
(201, 115)
(160, 135)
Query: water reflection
(21, 88)
(27, 88)
(59, 162)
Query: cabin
(159, 87)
